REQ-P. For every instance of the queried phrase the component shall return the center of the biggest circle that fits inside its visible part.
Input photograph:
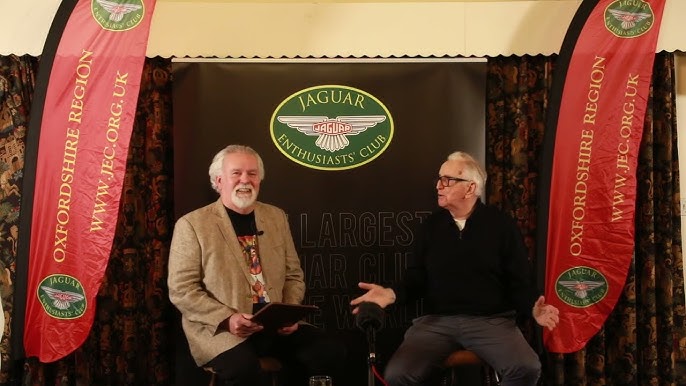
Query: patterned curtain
(638, 344)
(130, 341)
(517, 96)
(17, 80)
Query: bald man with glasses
(470, 266)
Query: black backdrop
(348, 225)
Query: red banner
(590, 239)
(87, 121)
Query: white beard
(241, 201)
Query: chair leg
(490, 376)
(213, 379)
(447, 379)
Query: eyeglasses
(446, 181)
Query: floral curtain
(129, 343)
(17, 79)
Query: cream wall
(339, 28)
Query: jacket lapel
(265, 243)
(231, 240)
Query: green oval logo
(118, 15)
(331, 127)
(581, 286)
(629, 18)
(62, 296)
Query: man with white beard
(229, 259)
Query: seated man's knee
(525, 368)
(532, 368)
(333, 350)
(533, 364)
(325, 356)
(395, 376)
(400, 374)
(244, 373)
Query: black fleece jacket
(481, 270)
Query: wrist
(226, 324)
(391, 295)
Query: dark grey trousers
(431, 338)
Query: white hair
(472, 170)
(218, 161)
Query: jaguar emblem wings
(332, 133)
(628, 19)
(62, 299)
(581, 287)
(116, 10)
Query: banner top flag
(595, 133)
(91, 100)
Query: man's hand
(375, 294)
(288, 329)
(241, 325)
(546, 315)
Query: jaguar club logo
(581, 287)
(331, 127)
(118, 15)
(629, 18)
(62, 296)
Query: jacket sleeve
(186, 289)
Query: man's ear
(471, 191)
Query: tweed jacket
(209, 278)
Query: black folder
(276, 315)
